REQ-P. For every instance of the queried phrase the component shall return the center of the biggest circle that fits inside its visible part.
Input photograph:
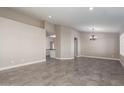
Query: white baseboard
(122, 63)
(65, 58)
(100, 57)
(122, 60)
(78, 56)
(24, 64)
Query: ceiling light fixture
(93, 37)
(50, 16)
(53, 36)
(91, 8)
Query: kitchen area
(50, 39)
(50, 51)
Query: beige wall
(65, 42)
(50, 28)
(122, 48)
(21, 17)
(122, 60)
(58, 41)
(107, 45)
(20, 43)
(122, 44)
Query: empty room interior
(61, 46)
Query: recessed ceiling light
(50, 16)
(91, 8)
(53, 36)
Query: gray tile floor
(78, 72)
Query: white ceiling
(104, 19)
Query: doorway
(50, 46)
(75, 46)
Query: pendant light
(93, 36)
